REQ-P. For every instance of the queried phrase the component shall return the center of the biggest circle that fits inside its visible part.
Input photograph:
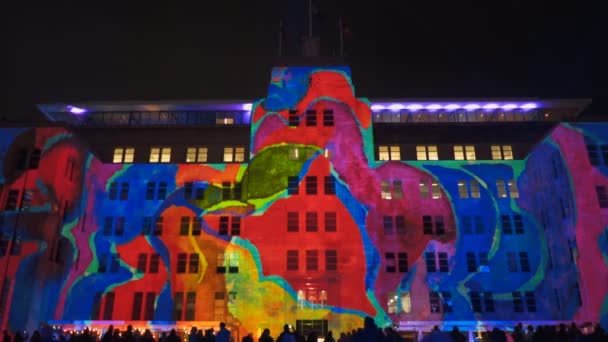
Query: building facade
(311, 207)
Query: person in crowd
(147, 336)
(107, 336)
(199, 336)
(36, 337)
(573, 332)
(456, 335)
(329, 337)
(173, 336)
(209, 336)
(192, 335)
(518, 334)
(344, 337)
(265, 337)
(286, 335)
(390, 335)
(312, 337)
(6, 337)
(498, 335)
(436, 335)
(248, 338)
(223, 335)
(587, 333)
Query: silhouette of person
(223, 335)
(286, 335)
(265, 337)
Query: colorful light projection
(354, 252)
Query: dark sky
(225, 50)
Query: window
(311, 185)
(463, 189)
(506, 224)
(294, 153)
(138, 298)
(219, 306)
(463, 192)
(234, 222)
(385, 190)
(400, 224)
(123, 155)
(402, 262)
(443, 262)
(190, 306)
(149, 309)
(518, 303)
(331, 219)
(436, 191)
(221, 263)
(197, 225)
(602, 196)
(152, 190)
(234, 154)
(293, 185)
(293, 260)
(294, 119)
(331, 260)
(593, 154)
(500, 187)
(178, 303)
(158, 227)
(154, 262)
(388, 225)
(160, 154)
(328, 117)
(467, 226)
(524, 263)
(427, 225)
(518, 224)
(399, 302)
(109, 307)
(426, 152)
(530, 301)
(329, 185)
(311, 117)
(223, 228)
(488, 301)
(474, 189)
(293, 222)
(466, 152)
(142, 262)
(439, 225)
(434, 302)
(392, 152)
(34, 159)
(513, 192)
(193, 263)
(21, 159)
(222, 118)
(182, 259)
(11, 201)
(447, 301)
(233, 263)
(509, 223)
(146, 228)
(500, 152)
(311, 222)
(424, 188)
(471, 262)
(479, 228)
(512, 261)
(312, 260)
(429, 258)
(391, 263)
(235, 227)
(196, 155)
(397, 189)
(476, 301)
(226, 191)
(184, 226)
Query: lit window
(294, 153)
(154, 155)
(385, 190)
(475, 189)
(500, 152)
(228, 154)
(239, 155)
(432, 150)
(458, 152)
(496, 154)
(165, 156)
(500, 187)
(397, 189)
(469, 152)
(464, 152)
(395, 152)
(463, 192)
(123, 155)
(383, 153)
(421, 152)
(507, 152)
(196, 155)
(513, 192)
(436, 191)
(427, 152)
(160, 154)
(424, 188)
(392, 152)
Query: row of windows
(153, 226)
(480, 302)
(312, 260)
(162, 154)
(392, 189)
(158, 191)
(293, 185)
(310, 117)
(430, 152)
(312, 221)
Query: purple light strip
(469, 106)
(76, 110)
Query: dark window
(400, 224)
(429, 258)
(312, 260)
(21, 160)
(178, 303)
(511, 262)
(200, 193)
(293, 260)
(146, 228)
(237, 191)
(293, 184)
(476, 301)
(197, 224)
(311, 118)
(330, 185)
(293, 118)
(602, 196)
(434, 302)
(138, 298)
(530, 301)
(518, 224)
(96, 306)
(235, 227)
(115, 262)
(161, 194)
(154, 262)
(594, 156)
(388, 225)
(604, 149)
(447, 301)
(293, 222)
(149, 310)
(124, 191)
(109, 309)
(223, 230)
(311, 185)
(402, 262)
(391, 266)
(479, 229)
(188, 190)
(471, 262)
(483, 259)
(506, 224)
(181, 262)
(102, 267)
(184, 226)
(331, 221)
(439, 225)
(312, 222)
(113, 192)
(467, 227)
(150, 189)
(328, 117)
(158, 227)
(190, 306)
(119, 229)
(443, 262)
(225, 191)
(331, 260)
(427, 225)
(193, 264)
(518, 302)
(488, 301)
(34, 159)
(11, 201)
(142, 262)
(524, 262)
(108, 222)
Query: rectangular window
(602, 196)
(530, 301)
(108, 222)
(383, 153)
(197, 154)
(501, 189)
(331, 221)
(467, 226)
(294, 119)
(220, 263)
(11, 201)
(311, 118)
(239, 154)
(385, 190)
(160, 154)
(190, 306)
(293, 260)
(124, 191)
(518, 224)
(182, 259)
(432, 150)
(158, 227)
(228, 154)
(184, 226)
(505, 221)
(150, 190)
(193, 263)
(146, 228)
(226, 191)
(388, 225)
(424, 188)
(463, 192)
(458, 152)
(154, 262)
(197, 225)
(604, 149)
(294, 153)
(443, 262)
(391, 262)
(507, 152)
(524, 263)
(330, 185)
(311, 222)
(223, 227)
(447, 301)
(479, 228)
(395, 152)
(476, 301)
(400, 224)
(161, 193)
(439, 225)
(113, 191)
(138, 298)
(293, 185)
(237, 191)
(178, 303)
(312, 260)
(109, 307)
(233, 263)
(593, 154)
(142, 262)
(474, 189)
(397, 189)
(402, 262)
(513, 192)
(483, 259)
(511, 262)
(149, 309)
(328, 117)
(429, 258)
(471, 262)
(34, 159)
(488, 301)
(331, 260)
(434, 302)
(119, 229)
(293, 222)
(496, 153)
(436, 191)
(235, 227)
(427, 225)
(469, 152)
(311, 185)
(123, 155)
(518, 302)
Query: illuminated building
(311, 207)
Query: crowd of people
(370, 332)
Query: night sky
(225, 50)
